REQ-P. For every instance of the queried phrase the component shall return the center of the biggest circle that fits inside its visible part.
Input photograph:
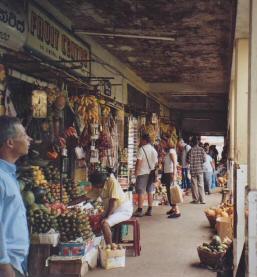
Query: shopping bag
(176, 194)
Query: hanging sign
(12, 27)
(50, 39)
(39, 104)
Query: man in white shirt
(147, 160)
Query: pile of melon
(223, 210)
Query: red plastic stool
(135, 243)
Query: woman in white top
(208, 169)
(170, 176)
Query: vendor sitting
(117, 207)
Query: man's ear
(9, 143)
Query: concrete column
(251, 247)
(240, 145)
(252, 134)
(241, 101)
(231, 121)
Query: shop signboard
(12, 27)
(49, 39)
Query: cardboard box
(51, 239)
(68, 268)
(112, 258)
(76, 248)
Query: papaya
(28, 198)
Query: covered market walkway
(169, 245)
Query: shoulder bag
(152, 175)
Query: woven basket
(211, 219)
(213, 260)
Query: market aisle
(169, 245)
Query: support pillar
(251, 255)
(240, 145)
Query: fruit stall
(72, 136)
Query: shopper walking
(117, 207)
(208, 169)
(147, 160)
(14, 235)
(184, 149)
(196, 158)
(170, 176)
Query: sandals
(174, 215)
(171, 211)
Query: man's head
(97, 179)
(14, 142)
(195, 140)
(206, 147)
(145, 139)
(181, 143)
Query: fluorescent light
(124, 36)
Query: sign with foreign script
(12, 27)
(50, 39)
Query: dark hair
(146, 137)
(97, 178)
(8, 128)
(195, 140)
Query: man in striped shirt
(196, 158)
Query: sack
(152, 177)
(176, 194)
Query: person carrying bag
(153, 172)
(147, 159)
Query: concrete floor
(169, 246)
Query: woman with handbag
(169, 176)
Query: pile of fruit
(113, 246)
(216, 245)
(40, 220)
(74, 224)
(71, 188)
(223, 180)
(52, 174)
(169, 131)
(55, 190)
(224, 210)
(88, 108)
(217, 254)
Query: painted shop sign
(49, 39)
(12, 27)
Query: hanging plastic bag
(176, 194)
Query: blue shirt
(14, 235)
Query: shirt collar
(8, 167)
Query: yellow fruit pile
(224, 210)
(88, 108)
(39, 177)
(113, 246)
(106, 112)
(169, 131)
(222, 180)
